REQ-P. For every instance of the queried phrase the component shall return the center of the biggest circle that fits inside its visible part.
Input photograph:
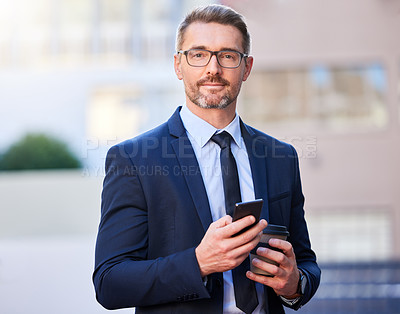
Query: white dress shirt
(208, 156)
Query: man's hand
(219, 251)
(286, 274)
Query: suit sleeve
(123, 275)
(299, 237)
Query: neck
(218, 118)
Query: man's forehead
(212, 36)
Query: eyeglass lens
(199, 57)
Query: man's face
(212, 86)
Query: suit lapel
(190, 169)
(257, 155)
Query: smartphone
(244, 209)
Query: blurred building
(326, 78)
(93, 72)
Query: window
(351, 234)
(333, 98)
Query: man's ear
(177, 66)
(248, 66)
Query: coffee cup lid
(275, 229)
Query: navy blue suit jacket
(155, 212)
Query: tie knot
(223, 139)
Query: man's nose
(213, 67)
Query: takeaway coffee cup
(271, 231)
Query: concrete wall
(48, 224)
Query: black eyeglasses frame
(214, 53)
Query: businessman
(166, 241)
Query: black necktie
(245, 289)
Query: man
(165, 243)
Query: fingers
(267, 281)
(275, 283)
(284, 282)
(285, 258)
(238, 225)
(245, 242)
(273, 269)
(285, 246)
(219, 251)
(244, 222)
(247, 246)
(222, 222)
(275, 256)
(285, 273)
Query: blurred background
(77, 76)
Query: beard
(211, 100)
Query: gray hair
(214, 13)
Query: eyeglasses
(226, 58)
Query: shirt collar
(233, 129)
(202, 131)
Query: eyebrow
(223, 48)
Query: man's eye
(198, 55)
(228, 56)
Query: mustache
(212, 79)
